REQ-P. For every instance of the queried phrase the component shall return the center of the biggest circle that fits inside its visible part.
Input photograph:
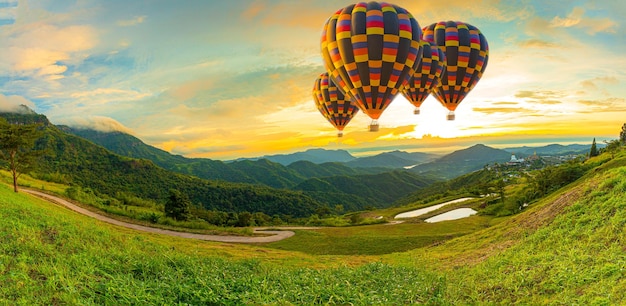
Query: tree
(612, 147)
(178, 206)
(622, 134)
(17, 147)
(594, 150)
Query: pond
(452, 215)
(425, 210)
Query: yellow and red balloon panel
(371, 51)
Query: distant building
(533, 157)
(515, 161)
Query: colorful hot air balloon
(426, 76)
(337, 108)
(370, 51)
(466, 52)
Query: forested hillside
(78, 162)
(332, 184)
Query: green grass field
(566, 249)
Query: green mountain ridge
(462, 161)
(80, 162)
(374, 182)
(267, 187)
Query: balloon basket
(340, 134)
(416, 111)
(374, 126)
(451, 116)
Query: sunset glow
(229, 79)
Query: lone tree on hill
(622, 134)
(178, 206)
(594, 149)
(17, 147)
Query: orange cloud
(492, 110)
(537, 43)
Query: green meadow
(568, 248)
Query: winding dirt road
(274, 235)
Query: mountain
(393, 159)
(378, 191)
(373, 190)
(309, 169)
(553, 149)
(253, 171)
(79, 162)
(462, 161)
(127, 145)
(317, 156)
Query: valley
(538, 226)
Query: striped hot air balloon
(426, 75)
(337, 108)
(371, 51)
(467, 53)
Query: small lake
(425, 210)
(452, 215)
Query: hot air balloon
(426, 76)
(466, 52)
(337, 108)
(370, 51)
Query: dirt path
(274, 235)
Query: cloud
(493, 110)
(505, 103)
(132, 22)
(253, 10)
(11, 104)
(537, 43)
(539, 94)
(593, 83)
(466, 10)
(46, 50)
(590, 25)
(107, 95)
(98, 123)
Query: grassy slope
(569, 248)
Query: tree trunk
(14, 182)
(14, 170)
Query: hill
(462, 161)
(553, 149)
(370, 186)
(76, 161)
(567, 248)
(261, 171)
(393, 159)
(366, 191)
(316, 156)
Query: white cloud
(98, 123)
(132, 22)
(12, 104)
(590, 25)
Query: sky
(231, 79)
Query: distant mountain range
(349, 187)
(553, 149)
(291, 184)
(462, 161)
(393, 159)
(316, 156)
(290, 170)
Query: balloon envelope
(467, 53)
(426, 76)
(371, 51)
(337, 108)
